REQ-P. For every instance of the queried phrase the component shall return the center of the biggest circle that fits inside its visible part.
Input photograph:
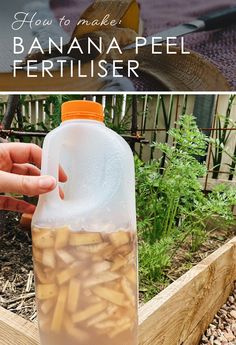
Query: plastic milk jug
(84, 245)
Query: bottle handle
(50, 165)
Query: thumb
(27, 185)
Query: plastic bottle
(84, 246)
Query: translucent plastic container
(84, 246)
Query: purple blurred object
(218, 46)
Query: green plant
(170, 199)
(165, 191)
(154, 258)
(173, 212)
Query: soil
(16, 276)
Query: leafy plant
(170, 199)
(154, 258)
(172, 210)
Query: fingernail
(47, 182)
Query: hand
(19, 175)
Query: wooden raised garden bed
(179, 315)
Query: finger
(25, 153)
(25, 169)
(62, 175)
(29, 153)
(10, 204)
(61, 193)
(27, 185)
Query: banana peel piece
(110, 295)
(131, 275)
(118, 262)
(89, 312)
(65, 257)
(68, 273)
(101, 267)
(48, 258)
(103, 316)
(44, 276)
(62, 236)
(81, 239)
(43, 238)
(119, 238)
(125, 249)
(126, 287)
(101, 278)
(126, 13)
(93, 248)
(73, 295)
(59, 311)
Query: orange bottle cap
(88, 110)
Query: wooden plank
(171, 316)
(14, 330)
(195, 336)
(178, 315)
